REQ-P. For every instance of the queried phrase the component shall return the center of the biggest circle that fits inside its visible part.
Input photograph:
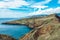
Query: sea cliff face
(44, 28)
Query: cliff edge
(49, 30)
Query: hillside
(49, 30)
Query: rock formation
(5, 37)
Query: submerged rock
(5, 37)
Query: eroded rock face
(5, 37)
(42, 31)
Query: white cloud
(47, 11)
(58, 1)
(6, 13)
(12, 3)
(51, 10)
(17, 3)
(41, 4)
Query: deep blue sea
(15, 31)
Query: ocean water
(15, 31)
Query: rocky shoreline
(5, 37)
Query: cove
(15, 31)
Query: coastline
(42, 27)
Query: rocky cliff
(49, 30)
(5, 37)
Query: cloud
(41, 4)
(58, 1)
(25, 9)
(12, 3)
(46, 11)
(10, 8)
(6, 13)
(18, 3)
(51, 11)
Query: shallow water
(15, 31)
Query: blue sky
(23, 8)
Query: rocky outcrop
(5, 37)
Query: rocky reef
(44, 28)
(5, 37)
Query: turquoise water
(15, 31)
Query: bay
(15, 31)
